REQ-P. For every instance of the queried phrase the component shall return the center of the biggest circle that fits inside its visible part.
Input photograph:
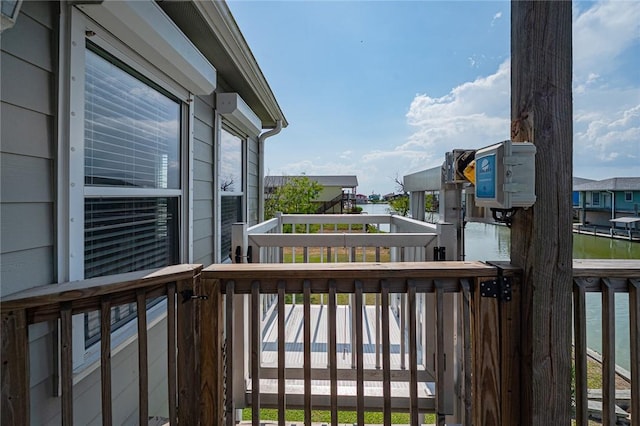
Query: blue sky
(381, 89)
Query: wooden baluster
(211, 342)
(143, 370)
(307, 352)
(466, 318)
(171, 353)
(66, 363)
(403, 328)
(281, 354)
(580, 350)
(15, 368)
(608, 355)
(187, 371)
(333, 349)
(413, 353)
(386, 355)
(256, 349)
(105, 359)
(359, 355)
(230, 403)
(634, 330)
(440, 355)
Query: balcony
(416, 337)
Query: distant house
(596, 202)
(132, 138)
(361, 199)
(390, 196)
(337, 196)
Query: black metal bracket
(439, 254)
(187, 295)
(500, 289)
(504, 215)
(238, 254)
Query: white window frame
(594, 195)
(75, 28)
(223, 124)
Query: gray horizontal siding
(25, 84)
(203, 178)
(25, 179)
(26, 132)
(44, 12)
(26, 226)
(25, 269)
(252, 181)
(26, 149)
(25, 40)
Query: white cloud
(495, 18)
(602, 33)
(471, 115)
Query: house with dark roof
(597, 202)
(338, 193)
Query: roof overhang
(424, 180)
(144, 27)
(211, 27)
(628, 219)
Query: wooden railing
(440, 279)
(59, 302)
(607, 277)
(202, 329)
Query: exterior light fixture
(9, 11)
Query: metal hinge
(500, 289)
(187, 295)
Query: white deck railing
(344, 237)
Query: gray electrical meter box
(505, 175)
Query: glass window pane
(231, 162)
(129, 234)
(231, 213)
(132, 131)
(124, 235)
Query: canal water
(492, 242)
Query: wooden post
(541, 239)
(211, 356)
(188, 356)
(14, 407)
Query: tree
(296, 195)
(400, 204)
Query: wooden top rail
(85, 291)
(345, 274)
(606, 268)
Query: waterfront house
(132, 138)
(338, 191)
(599, 201)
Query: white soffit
(145, 28)
(236, 110)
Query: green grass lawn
(325, 416)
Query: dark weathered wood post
(541, 238)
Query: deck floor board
(294, 356)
